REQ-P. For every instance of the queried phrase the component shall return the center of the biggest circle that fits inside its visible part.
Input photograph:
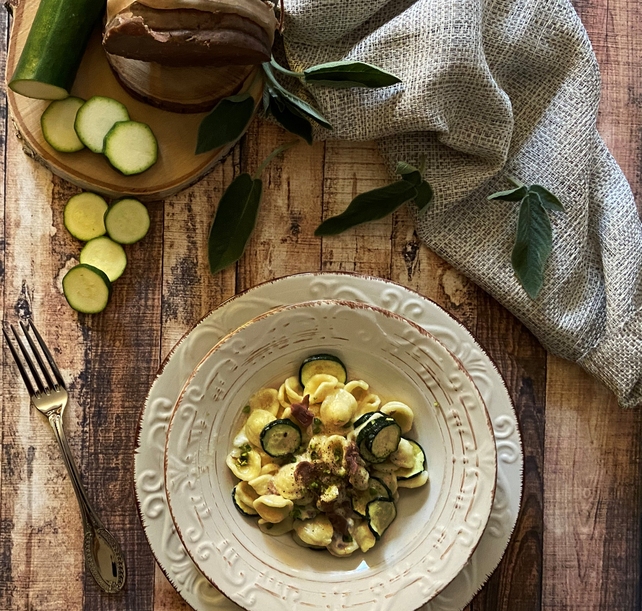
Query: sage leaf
(533, 245)
(369, 206)
(548, 200)
(349, 74)
(234, 221)
(409, 173)
(301, 105)
(424, 195)
(290, 119)
(512, 195)
(226, 123)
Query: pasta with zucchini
(323, 458)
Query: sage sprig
(379, 203)
(342, 74)
(534, 240)
(236, 216)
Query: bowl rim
(355, 305)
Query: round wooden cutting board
(177, 166)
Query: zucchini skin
(319, 359)
(57, 41)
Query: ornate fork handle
(103, 555)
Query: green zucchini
(105, 254)
(364, 418)
(376, 490)
(84, 216)
(380, 513)
(379, 438)
(86, 288)
(280, 437)
(95, 119)
(57, 124)
(127, 221)
(419, 459)
(322, 364)
(54, 48)
(131, 147)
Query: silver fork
(49, 396)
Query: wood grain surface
(577, 545)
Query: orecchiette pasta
(324, 461)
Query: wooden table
(578, 542)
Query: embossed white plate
(152, 503)
(437, 526)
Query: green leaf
(512, 195)
(533, 245)
(234, 221)
(226, 123)
(349, 74)
(549, 201)
(369, 206)
(302, 106)
(409, 173)
(424, 195)
(291, 119)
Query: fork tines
(37, 372)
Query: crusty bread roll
(191, 32)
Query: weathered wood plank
(41, 529)
(350, 169)
(517, 582)
(284, 241)
(615, 33)
(189, 290)
(593, 506)
(124, 344)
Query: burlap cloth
(496, 87)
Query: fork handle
(87, 511)
(103, 555)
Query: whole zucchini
(54, 48)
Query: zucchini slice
(380, 513)
(322, 363)
(86, 288)
(244, 508)
(131, 147)
(376, 490)
(127, 221)
(280, 438)
(95, 119)
(379, 438)
(57, 124)
(419, 460)
(106, 255)
(364, 418)
(84, 216)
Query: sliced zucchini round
(105, 254)
(86, 289)
(364, 418)
(380, 513)
(281, 437)
(322, 363)
(419, 462)
(244, 508)
(376, 490)
(57, 123)
(131, 147)
(127, 221)
(379, 437)
(84, 216)
(95, 118)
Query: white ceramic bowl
(438, 526)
